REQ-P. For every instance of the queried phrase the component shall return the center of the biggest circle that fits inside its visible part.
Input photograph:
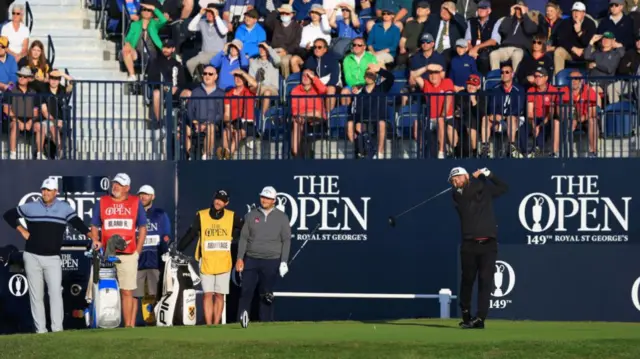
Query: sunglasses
(318, 47)
(358, 45)
(16, 13)
(285, 13)
(506, 72)
(208, 73)
(537, 42)
(538, 76)
(317, 13)
(3, 47)
(144, 9)
(384, 13)
(57, 78)
(431, 72)
(23, 77)
(614, 5)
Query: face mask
(285, 19)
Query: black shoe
(475, 323)
(466, 318)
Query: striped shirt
(46, 224)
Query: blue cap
(484, 4)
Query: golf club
(305, 243)
(392, 219)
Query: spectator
(267, 10)
(603, 61)
(441, 106)
(628, 66)
(630, 6)
(514, 35)
(536, 57)
(597, 9)
(347, 28)
(572, 37)
(55, 107)
(541, 104)
(327, 68)
(8, 66)
(205, 109)
(401, 9)
(37, 63)
(176, 12)
(239, 112)
(146, 29)
(356, 63)
(286, 37)
(550, 24)
(462, 66)
(17, 33)
(264, 69)
(585, 101)
(214, 36)
(366, 12)
(230, 58)
(619, 24)
(302, 8)
(371, 106)
(251, 33)
(506, 103)
(467, 8)
(478, 34)
(329, 5)
(166, 69)
(318, 28)
(306, 112)
(234, 11)
(426, 56)
(384, 38)
(412, 33)
(22, 110)
(452, 28)
(471, 109)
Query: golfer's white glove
(485, 172)
(283, 269)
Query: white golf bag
(103, 297)
(177, 305)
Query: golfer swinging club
(473, 199)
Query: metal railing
(28, 19)
(106, 120)
(51, 52)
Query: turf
(397, 339)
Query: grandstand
(110, 118)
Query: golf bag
(104, 309)
(177, 305)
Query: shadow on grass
(429, 325)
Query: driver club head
(392, 221)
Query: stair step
(97, 74)
(89, 63)
(78, 33)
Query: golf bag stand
(177, 305)
(104, 309)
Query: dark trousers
(478, 258)
(262, 273)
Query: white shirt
(312, 32)
(15, 37)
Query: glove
(485, 172)
(283, 269)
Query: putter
(392, 219)
(304, 244)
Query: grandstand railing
(28, 18)
(51, 52)
(117, 121)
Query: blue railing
(110, 120)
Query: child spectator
(462, 66)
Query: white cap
(122, 178)
(578, 6)
(147, 189)
(457, 171)
(50, 184)
(268, 192)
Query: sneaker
(484, 150)
(204, 157)
(441, 155)
(132, 78)
(40, 156)
(554, 155)
(244, 319)
(537, 152)
(592, 155)
(13, 156)
(514, 151)
(223, 154)
(475, 323)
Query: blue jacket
(501, 103)
(381, 39)
(222, 63)
(461, 68)
(251, 39)
(329, 65)
(158, 227)
(8, 70)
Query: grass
(397, 339)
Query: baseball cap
(542, 70)
(461, 43)
(222, 195)
(474, 80)
(426, 38)
(4, 41)
(609, 35)
(123, 179)
(457, 171)
(619, 2)
(50, 184)
(423, 5)
(268, 192)
(147, 189)
(484, 4)
(168, 43)
(252, 13)
(578, 6)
